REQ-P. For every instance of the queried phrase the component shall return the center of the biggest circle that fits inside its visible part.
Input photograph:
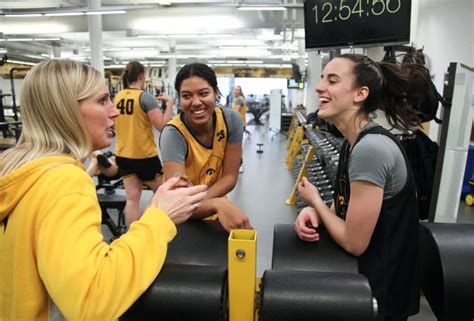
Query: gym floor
(264, 186)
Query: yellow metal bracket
(303, 172)
(242, 250)
(291, 131)
(294, 147)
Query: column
(313, 74)
(95, 36)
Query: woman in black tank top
(381, 233)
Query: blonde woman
(239, 104)
(53, 257)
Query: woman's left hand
(308, 192)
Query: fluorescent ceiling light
(23, 15)
(3, 50)
(112, 49)
(63, 14)
(144, 48)
(98, 12)
(115, 66)
(157, 62)
(152, 36)
(47, 39)
(244, 61)
(30, 39)
(21, 62)
(262, 8)
(181, 25)
(277, 65)
(184, 36)
(229, 47)
(194, 46)
(19, 39)
(59, 13)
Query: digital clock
(342, 23)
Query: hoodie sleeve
(87, 278)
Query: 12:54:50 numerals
(331, 11)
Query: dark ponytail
(392, 89)
(403, 92)
(132, 72)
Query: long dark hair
(199, 70)
(132, 72)
(391, 88)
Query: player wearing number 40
(135, 149)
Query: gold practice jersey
(133, 130)
(243, 109)
(204, 164)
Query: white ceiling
(214, 32)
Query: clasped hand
(178, 203)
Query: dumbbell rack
(316, 156)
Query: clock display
(339, 23)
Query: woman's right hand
(166, 98)
(178, 203)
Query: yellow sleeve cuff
(159, 221)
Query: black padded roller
(306, 295)
(447, 269)
(199, 242)
(182, 293)
(292, 253)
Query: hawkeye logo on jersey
(210, 171)
(342, 206)
(220, 135)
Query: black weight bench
(447, 265)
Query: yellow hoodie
(52, 255)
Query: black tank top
(390, 261)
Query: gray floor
(264, 186)
(262, 189)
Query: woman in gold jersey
(135, 149)
(204, 145)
